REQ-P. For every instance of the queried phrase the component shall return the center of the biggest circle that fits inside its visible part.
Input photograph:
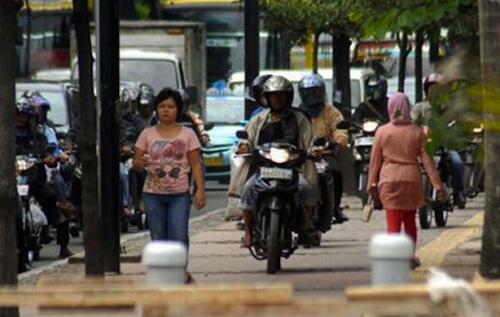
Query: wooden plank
(95, 295)
(405, 291)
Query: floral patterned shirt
(168, 171)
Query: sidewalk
(341, 261)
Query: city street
(341, 261)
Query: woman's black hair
(166, 93)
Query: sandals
(415, 263)
(246, 243)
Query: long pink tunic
(395, 168)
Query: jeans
(168, 216)
(457, 167)
(125, 185)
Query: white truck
(161, 54)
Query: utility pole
(251, 49)
(87, 137)
(489, 20)
(108, 84)
(8, 196)
(341, 72)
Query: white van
(236, 82)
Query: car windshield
(225, 109)
(157, 73)
(58, 112)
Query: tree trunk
(490, 64)
(27, 60)
(341, 70)
(315, 52)
(94, 261)
(404, 50)
(8, 194)
(418, 65)
(155, 13)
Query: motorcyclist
(325, 118)
(279, 123)
(256, 94)
(375, 106)
(435, 87)
(31, 140)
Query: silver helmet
(312, 90)
(278, 84)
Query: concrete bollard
(165, 262)
(390, 257)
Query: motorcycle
(33, 219)
(362, 149)
(474, 169)
(434, 207)
(277, 215)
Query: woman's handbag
(367, 211)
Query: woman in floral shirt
(169, 152)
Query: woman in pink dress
(395, 169)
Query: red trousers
(396, 217)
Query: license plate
(276, 173)
(23, 190)
(364, 141)
(213, 161)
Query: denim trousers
(125, 185)
(457, 167)
(168, 216)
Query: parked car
(56, 93)
(226, 112)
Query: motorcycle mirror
(209, 126)
(344, 125)
(320, 142)
(242, 134)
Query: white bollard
(165, 262)
(390, 257)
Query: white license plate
(276, 173)
(23, 190)
(364, 141)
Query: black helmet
(257, 85)
(312, 90)
(376, 88)
(24, 106)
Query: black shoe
(339, 216)
(459, 200)
(45, 237)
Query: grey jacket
(239, 177)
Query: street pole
(489, 19)
(251, 49)
(8, 196)
(87, 137)
(341, 71)
(107, 27)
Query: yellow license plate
(214, 161)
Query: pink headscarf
(399, 109)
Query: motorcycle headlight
(21, 165)
(478, 130)
(370, 126)
(279, 155)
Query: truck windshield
(157, 73)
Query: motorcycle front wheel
(441, 215)
(425, 217)
(274, 244)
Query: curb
(123, 240)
